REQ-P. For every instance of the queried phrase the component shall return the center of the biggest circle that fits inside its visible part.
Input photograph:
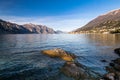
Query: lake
(20, 54)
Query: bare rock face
(60, 54)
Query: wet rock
(103, 60)
(117, 51)
(59, 53)
(113, 68)
(109, 69)
(112, 64)
(78, 71)
(109, 76)
(117, 61)
(72, 70)
(117, 67)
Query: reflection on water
(21, 53)
(105, 39)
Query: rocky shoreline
(113, 69)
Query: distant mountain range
(12, 28)
(60, 32)
(109, 22)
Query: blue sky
(63, 15)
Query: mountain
(41, 29)
(12, 28)
(59, 32)
(109, 22)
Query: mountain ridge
(13, 28)
(108, 21)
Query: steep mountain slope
(38, 29)
(12, 28)
(106, 21)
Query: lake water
(20, 53)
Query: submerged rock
(71, 68)
(117, 51)
(103, 60)
(78, 71)
(59, 53)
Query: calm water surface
(21, 52)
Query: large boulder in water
(72, 68)
(78, 71)
(57, 52)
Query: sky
(65, 15)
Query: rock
(76, 70)
(112, 64)
(113, 68)
(117, 51)
(117, 67)
(109, 69)
(71, 68)
(116, 64)
(103, 60)
(109, 76)
(117, 61)
(59, 53)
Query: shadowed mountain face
(106, 21)
(12, 28)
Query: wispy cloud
(64, 23)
